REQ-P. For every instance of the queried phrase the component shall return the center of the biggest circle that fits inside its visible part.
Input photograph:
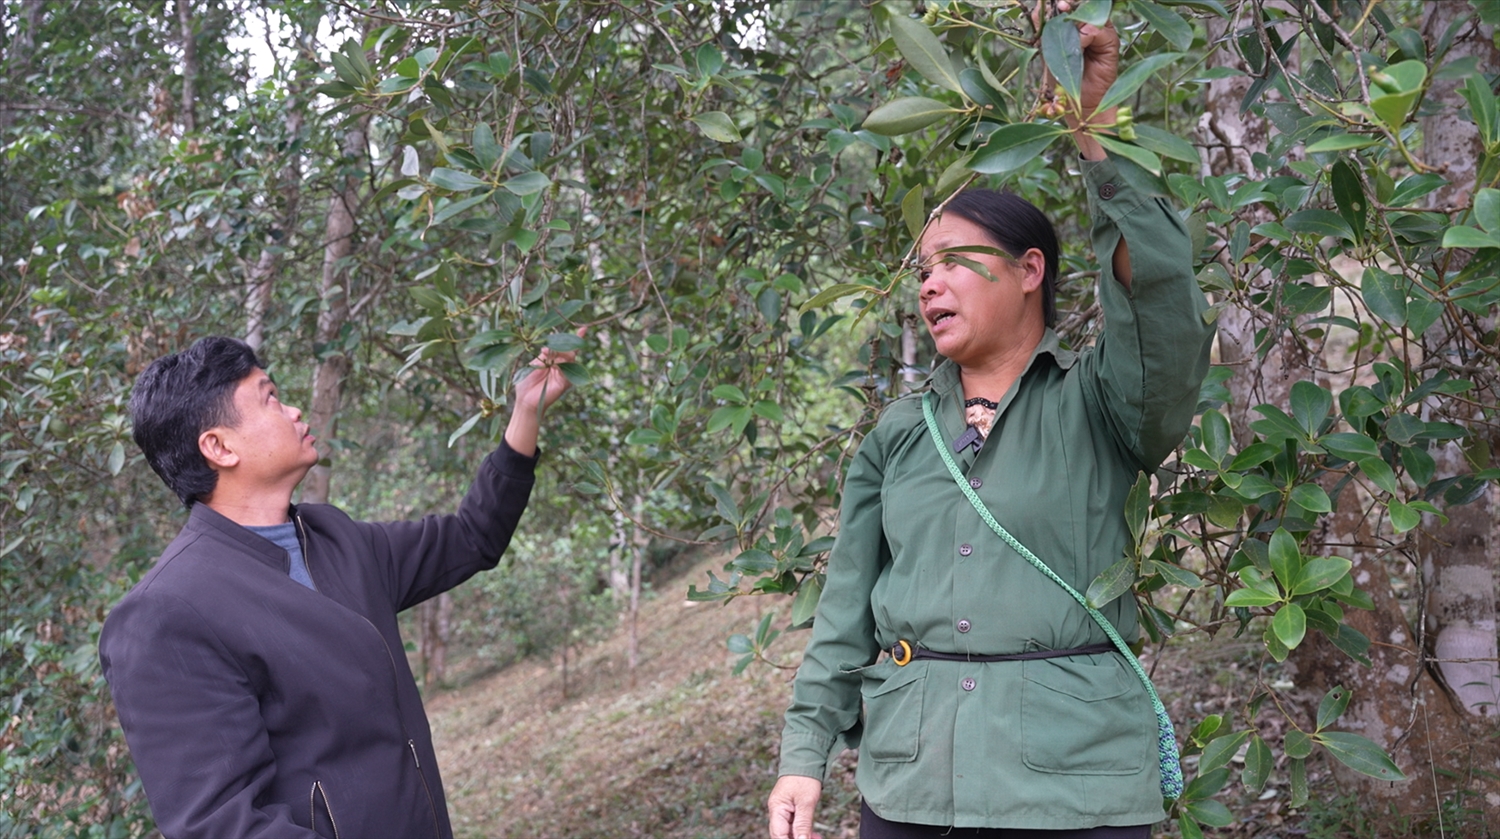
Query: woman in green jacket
(1003, 709)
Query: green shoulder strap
(1166, 746)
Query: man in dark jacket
(257, 669)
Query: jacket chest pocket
(321, 812)
(1079, 717)
(893, 712)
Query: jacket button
(1107, 191)
(964, 625)
(968, 683)
(965, 550)
(976, 483)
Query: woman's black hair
(180, 396)
(1017, 226)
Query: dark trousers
(872, 826)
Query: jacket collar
(204, 520)
(944, 378)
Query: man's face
(272, 441)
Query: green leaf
(729, 393)
(1286, 559)
(913, 212)
(980, 92)
(754, 561)
(924, 52)
(1297, 744)
(1349, 445)
(1250, 598)
(1298, 782)
(1141, 157)
(1383, 296)
(1360, 754)
(643, 437)
(1290, 625)
(527, 183)
(1311, 498)
(565, 342)
(1258, 763)
(1345, 142)
(1487, 209)
(1379, 472)
(1170, 24)
(1154, 139)
(463, 429)
(1403, 518)
(1319, 573)
(1063, 54)
(454, 180)
(453, 208)
(1216, 435)
(1012, 146)
(1482, 108)
(805, 605)
(486, 150)
(1349, 196)
(768, 410)
(903, 116)
(1138, 507)
(1135, 75)
(740, 644)
(1216, 756)
(1176, 574)
(1210, 811)
(1332, 706)
(116, 458)
(1093, 12)
(1111, 582)
(837, 291)
(716, 125)
(1470, 238)
(1319, 223)
(1310, 405)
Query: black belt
(903, 653)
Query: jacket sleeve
(825, 708)
(435, 553)
(192, 723)
(1150, 362)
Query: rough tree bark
(1458, 559)
(189, 42)
(333, 364)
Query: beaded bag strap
(1166, 741)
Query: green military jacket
(1060, 743)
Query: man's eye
(924, 274)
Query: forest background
(401, 202)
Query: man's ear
(1034, 268)
(216, 450)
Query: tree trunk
(189, 66)
(637, 550)
(1458, 559)
(260, 278)
(334, 364)
(435, 619)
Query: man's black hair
(180, 396)
(1017, 226)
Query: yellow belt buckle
(901, 653)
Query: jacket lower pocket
(893, 712)
(321, 811)
(1080, 716)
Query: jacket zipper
(410, 743)
(312, 806)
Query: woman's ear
(216, 450)
(1033, 267)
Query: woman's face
(973, 319)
